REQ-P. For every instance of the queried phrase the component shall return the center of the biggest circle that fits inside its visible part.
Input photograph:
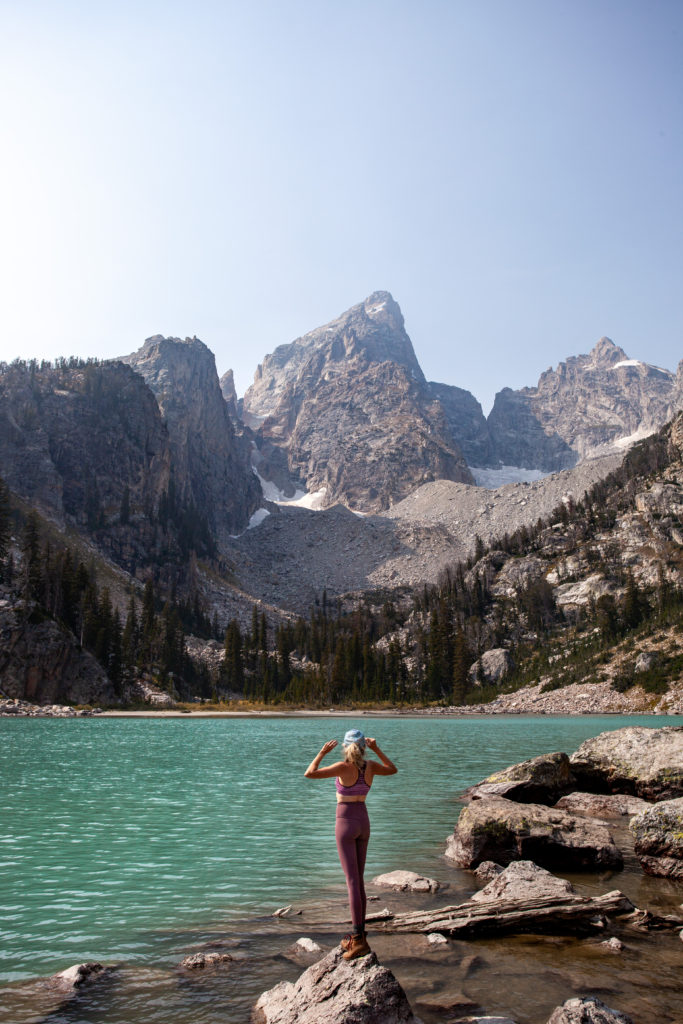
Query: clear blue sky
(511, 170)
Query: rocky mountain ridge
(327, 419)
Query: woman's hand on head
(371, 743)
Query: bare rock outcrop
(587, 403)
(349, 405)
(491, 668)
(588, 1010)
(75, 437)
(41, 662)
(644, 762)
(541, 779)
(502, 831)
(659, 839)
(337, 991)
(602, 805)
(211, 464)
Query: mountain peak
(606, 352)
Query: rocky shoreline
(575, 699)
(567, 813)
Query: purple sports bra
(359, 788)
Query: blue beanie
(355, 736)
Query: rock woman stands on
(354, 777)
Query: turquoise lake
(117, 834)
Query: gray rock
(523, 880)
(659, 839)
(487, 871)
(613, 945)
(644, 661)
(587, 1011)
(644, 762)
(304, 951)
(602, 805)
(437, 939)
(503, 831)
(336, 991)
(406, 881)
(539, 780)
(491, 668)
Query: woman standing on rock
(354, 777)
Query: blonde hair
(354, 754)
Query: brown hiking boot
(357, 946)
(348, 939)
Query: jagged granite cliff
(75, 437)
(588, 402)
(466, 421)
(211, 463)
(349, 405)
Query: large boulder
(587, 1011)
(602, 805)
(337, 991)
(540, 780)
(659, 839)
(491, 668)
(637, 760)
(523, 880)
(503, 831)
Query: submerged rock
(587, 1011)
(337, 991)
(73, 978)
(644, 762)
(406, 881)
(200, 961)
(540, 780)
(602, 805)
(504, 831)
(659, 839)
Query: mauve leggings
(352, 832)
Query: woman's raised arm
(314, 771)
(387, 767)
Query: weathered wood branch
(553, 913)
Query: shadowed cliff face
(349, 405)
(74, 438)
(588, 402)
(211, 463)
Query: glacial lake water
(123, 839)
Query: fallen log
(554, 914)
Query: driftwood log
(553, 914)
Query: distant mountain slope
(588, 402)
(349, 405)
